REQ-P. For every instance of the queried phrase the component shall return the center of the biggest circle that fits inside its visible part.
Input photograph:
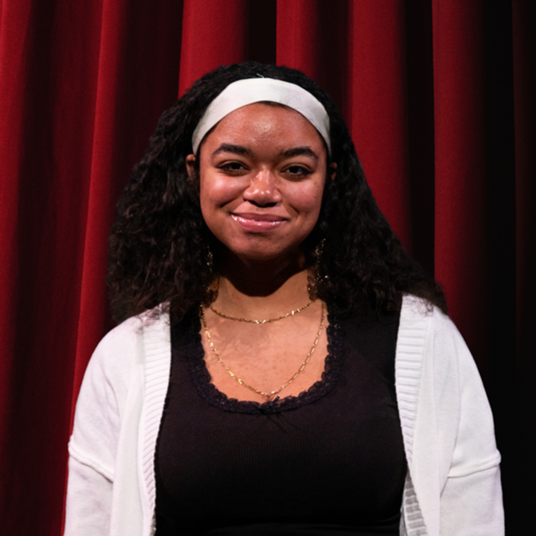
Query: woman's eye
(232, 167)
(298, 171)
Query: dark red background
(439, 97)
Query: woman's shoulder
(132, 342)
(420, 313)
(418, 308)
(428, 331)
(429, 338)
(136, 328)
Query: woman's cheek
(225, 190)
(307, 199)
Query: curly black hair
(159, 242)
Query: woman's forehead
(255, 90)
(262, 123)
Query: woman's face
(262, 175)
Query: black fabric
(330, 461)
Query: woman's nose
(263, 189)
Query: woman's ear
(332, 170)
(190, 165)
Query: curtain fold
(524, 73)
(45, 69)
(378, 103)
(460, 158)
(214, 33)
(438, 96)
(311, 37)
(136, 79)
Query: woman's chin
(264, 255)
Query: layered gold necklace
(266, 394)
(266, 320)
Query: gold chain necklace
(242, 382)
(265, 321)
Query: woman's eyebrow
(244, 151)
(298, 151)
(230, 148)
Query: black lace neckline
(193, 351)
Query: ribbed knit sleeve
(453, 482)
(157, 348)
(408, 377)
(111, 490)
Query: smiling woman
(262, 172)
(283, 366)
(262, 175)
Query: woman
(284, 368)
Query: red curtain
(439, 98)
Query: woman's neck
(262, 291)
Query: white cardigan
(453, 482)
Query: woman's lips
(258, 222)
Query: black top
(329, 461)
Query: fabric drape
(438, 96)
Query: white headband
(251, 90)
